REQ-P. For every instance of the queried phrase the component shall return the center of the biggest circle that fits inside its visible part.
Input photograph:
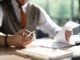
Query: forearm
(47, 25)
(17, 40)
(2, 39)
(10, 40)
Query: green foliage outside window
(59, 10)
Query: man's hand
(68, 34)
(20, 39)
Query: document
(60, 41)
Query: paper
(74, 39)
(60, 41)
(43, 43)
(45, 53)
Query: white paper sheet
(60, 41)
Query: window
(60, 10)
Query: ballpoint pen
(29, 34)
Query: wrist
(5, 41)
(10, 40)
(2, 38)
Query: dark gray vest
(11, 25)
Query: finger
(26, 31)
(23, 32)
(28, 38)
(30, 34)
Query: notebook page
(45, 53)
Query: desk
(43, 53)
(10, 54)
(37, 52)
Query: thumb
(23, 31)
(68, 33)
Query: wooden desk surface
(10, 54)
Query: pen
(29, 34)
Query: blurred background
(61, 10)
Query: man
(17, 40)
(11, 22)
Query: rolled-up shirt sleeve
(1, 16)
(47, 25)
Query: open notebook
(42, 53)
(41, 49)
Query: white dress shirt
(45, 23)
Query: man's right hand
(20, 39)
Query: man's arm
(47, 25)
(2, 38)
